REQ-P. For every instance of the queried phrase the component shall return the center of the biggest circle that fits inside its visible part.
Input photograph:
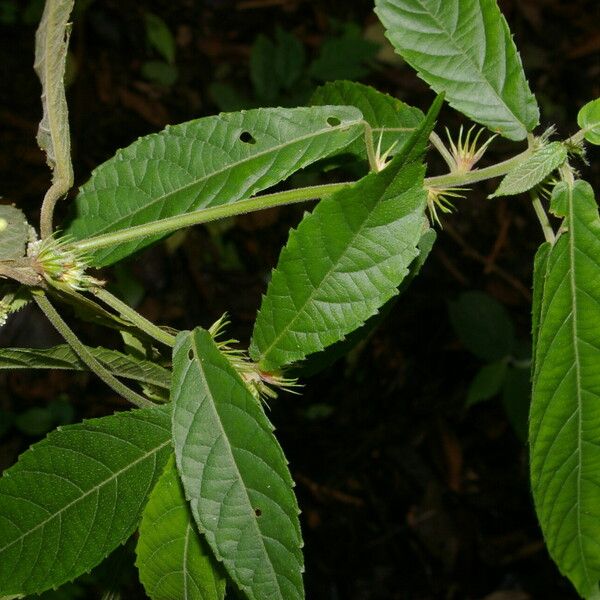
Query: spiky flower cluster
(61, 265)
(465, 154)
(382, 157)
(439, 199)
(262, 384)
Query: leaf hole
(333, 121)
(191, 354)
(247, 138)
(257, 512)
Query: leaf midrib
(85, 495)
(114, 225)
(310, 297)
(575, 337)
(255, 526)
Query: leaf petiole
(86, 357)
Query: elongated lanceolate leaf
(62, 357)
(234, 473)
(534, 170)
(588, 119)
(379, 110)
(344, 261)
(565, 412)
(75, 496)
(174, 562)
(464, 48)
(321, 360)
(51, 42)
(205, 163)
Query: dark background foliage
(405, 492)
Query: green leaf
(75, 496)
(62, 357)
(588, 119)
(533, 170)
(14, 233)
(234, 472)
(276, 66)
(160, 72)
(482, 325)
(160, 37)
(487, 382)
(321, 360)
(565, 412)
(344, 57)
(204, 163)
(345, 260)
(379, 111)
(464, 48)
(173, 560)
(35, 421)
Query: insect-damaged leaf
(345, 260)
(234, 473)
(205, 163)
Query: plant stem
(247, 205)
(549, 234)
(205, 215)
(134, 317)
(439, 145)
(460, 179)
(370, 147)
(86, 357)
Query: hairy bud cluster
(60, 265)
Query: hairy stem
(549, 234)
(247, 205)
(439, 145)
(160, 335)
(86, 357)
(205, 215)
(370, 147)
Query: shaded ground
(405, 494)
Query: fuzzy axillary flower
(262, 384)
(61, 265)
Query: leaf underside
(533, 170)
(464, 48)
(344, 261)
(565, 411)
(174, 562)
(588, 119)
(205, 163)
(76, 495)
(379, 111)
(234, 472)
(62, 357)
(14, 233)
(53, 136)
